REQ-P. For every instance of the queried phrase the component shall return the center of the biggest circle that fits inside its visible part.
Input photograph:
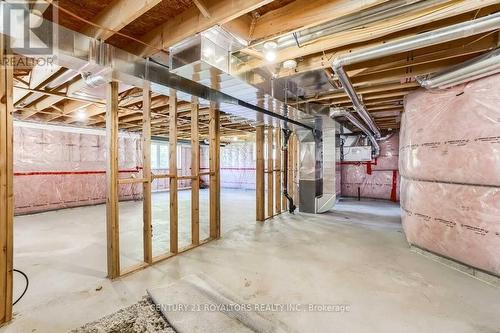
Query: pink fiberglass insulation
(453, 135)
(378, 179)
(378, 185)
(457, 221)
(450, 167)
(389, 154)
(56, 169)
(238, 166)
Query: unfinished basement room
(250, 166)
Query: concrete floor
(355, 255)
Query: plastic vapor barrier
(238, 166)
(450, 167)
(453, 135)
(56, 169)
(59, 167)
(378, 179)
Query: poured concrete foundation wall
(450, 167)
(378, 179)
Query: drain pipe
(335, 113)
(286, 137)
(456, 31)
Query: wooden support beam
(191, 22)
(146, 174)
(270, 174)
(301, 14)
(214, 160)
(376, 30)
(6, 186)
(195, 172)
(202, 6)
(260, 192)
(172, 155)
(277, 178)
(295, 169)
(291, 186)
(112, 215)
(117, 15)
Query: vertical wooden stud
(270, 172)
(295, 169)
(6, 186)
(172, 153)
(214, 159)
(146, 170)
(291, 185)
(277, 179)
(112, 215)
(195, 172)
(259, 181)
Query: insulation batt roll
(389, 154)
(461, 222)
(453, 135)
(450, 167)
(378, 185)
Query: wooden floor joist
(112, 215)
(6, 187)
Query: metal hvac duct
(340, 112)
(384, 11)
(484, 65)
(317, 162)
(83, 54)
(456, 31)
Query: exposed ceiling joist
(191, 22)
(202, 6)
(302, 14)
(376, 30)
(117, 15)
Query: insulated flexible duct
(484, 65)
(335, 113)
(456, 31)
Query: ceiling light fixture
(290, 64)
(270, 51)
(81, 115)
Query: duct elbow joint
(337, 64)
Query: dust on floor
(140, 317)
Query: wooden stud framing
(214, 159)
(172, 151)
(6, 188)
(270, 173)
(260, 193)
(195, 173)
(146, 174)
(112, 215)
(295, 169)
(291, 167)
(277, 179)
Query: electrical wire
(25, 289)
